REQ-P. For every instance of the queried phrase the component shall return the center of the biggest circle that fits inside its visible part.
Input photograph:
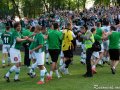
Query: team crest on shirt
(15, 59)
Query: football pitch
(103, 80)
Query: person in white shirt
(106, 30)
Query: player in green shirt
(31, 72)
(38, 48)
(54, 38)
(6, 36)
(97, 37)
(6, 39)
(114, 48)
(15, 54)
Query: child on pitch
(98, 36)
(39, 54)
(96, 55)
(6, 39)
(15, 54)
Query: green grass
(75, 81)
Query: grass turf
(104, 79)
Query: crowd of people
(58, 33)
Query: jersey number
(6, 39)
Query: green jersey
(98, 38)
(6, 37)
(54, 39)
(15, 44)
(39, 40)
(32, 43)
(114, 40)
(99, 32)
(48, 31)
(26, 32)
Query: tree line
(33, 8)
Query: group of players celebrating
(55, 41)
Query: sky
(89, 3)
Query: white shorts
(40, 58)
(78, 43)
(83, 47)
(31, 55)
(96, 54)
(102, 48)
(106, 45)
(61, 54)
(5, 48)
(15, 55)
